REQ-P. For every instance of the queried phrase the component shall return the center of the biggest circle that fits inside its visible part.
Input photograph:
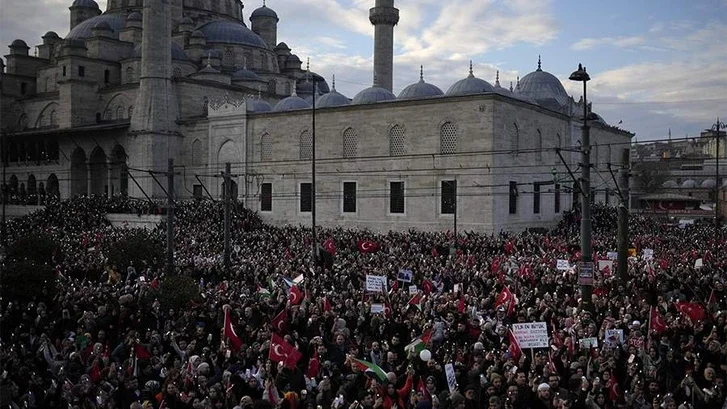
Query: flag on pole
(515, 350)
(229, 330)
(313, 365)
(506, 299)
(263, 292)
(694, 311)
(419, 343)
(370, 369)
(417, 300)
(656, 321)
(281, 351)
(280, 322)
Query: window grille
(448, 138)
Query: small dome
(134, 16)
(211, 53)
(50, 34)
(304, 87)
(85, 29)
(243, 74)
(197, 34)
(594, 117)
(543, 86)
(177, 52)
(102, 25)
(709, 184)
(724, 183)
(264, 11)
(499, 89)
(292, 103)
(282, 47)
(208, 70)
(373, 95)
(85, 3)
(689, 184)
(420, 89)
(670, 184)
(187, 21)
(332, 98)
(19, 43)
(470, 85)
(231, 32)
(258, 105)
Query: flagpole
(314, 241)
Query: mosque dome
(197, 34)
(420, 89)
(543, 86)
(594, 117)
(208, 70)
(709, 184)
(304, 87)
(499, 89)
(333, 98)
(258, 105)
(134, 16)
(689, 184)
(186, 20)
(264, 11)
(102, 25)
(177, 52)
(470, 85)
(19, 43)
(373, 95)
(243, 74)
(50, 34)
(292, 103)
(231, 32)
(670, 184)
(85, 29)
(85, 3)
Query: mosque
(103, 109)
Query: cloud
(619, 42)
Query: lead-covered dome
(332, 98)
(420, 89)
(543, 87)
(709, 184)
(84, 30)
(258, 105)
(501, 90)
(292, 103)
(470, 85)
(243, 74)
(231, 32)
(85, 3)
(689, 184)
(134, 16)
(670, 184)
(373, 95)
(177, 52)
(264, 11)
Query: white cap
(543, 387)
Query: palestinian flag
(417, 300)
(419, 343)
(370, 369)
(263, 292)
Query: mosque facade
(102, 110)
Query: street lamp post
(585, 274)
(716, 129)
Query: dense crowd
(276, 332)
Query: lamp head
(580, 74)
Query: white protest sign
(602, 264)
(299, 279)
(699, 263)
(648, 254)
(405, 275)
(590, 342)
(451, 378)
(612, 255)
(613, 337)
(456, 288)
(413, 289)
(562, 265)
(377, 308)
(375, 284)
(531, 334)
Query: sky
(656, 65)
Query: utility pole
(227, 193)
(170, 218)
(716, 128)
(623, 216)
(5, 192)
(314, 240)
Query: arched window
(448, 138)
(539, 145)
(396, 141)
(53, 118)
(23, 123)
(176, 72)
(271, 87)
(350, 143)
(306, 146)
(266, 148)
(119, 113)
(131, 110)
(41, 121)
(228, 58)
(514, 139)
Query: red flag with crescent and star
(694, 311)
(367, 246)
(313, 365)
(295, 296)
(281, 351)
(514, 348)
(280, 322)
(229, 331)
(330, 246)
(507, 299)
(657, 323)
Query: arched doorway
(41, 193)
(119, 172)
(32, 190)
(79, 173)
(52, 189)
(99, 172)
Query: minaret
(384, 17)
(153, 123)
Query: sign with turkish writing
(531, 334)
(590, 342)
(562, 265)
(451, 377)
(377, 308)
(613, 337)
(375, 284)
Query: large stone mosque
(101, 110)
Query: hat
(636, 324)
(456, 398)
(543, 387)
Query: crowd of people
(277, 332)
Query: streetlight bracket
(570, 172)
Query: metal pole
(227, 193)
(454, 246)
(586, 251)
(170, 218)
(314, 238)
(623, 217)
(717, 185)
(5, 192)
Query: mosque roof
(258, 105)
(85, 3)
(177, 52)
(85, 29)
(264, 11)
(19, 43)
(670, 184)
(292, 103)
(373, 95)
(470, 85)
(243, 74)
(231, 32)
(134, 16)
(420, 89)
(709, 184)
(543, 86)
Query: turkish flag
(461, 307)
(280, 322)
(330, 246)
(507, 299)
(515, 351)
(141, 352)
(613, 390)
(367, 246)
(427, 287)
(694, 311)
(509, 248)
(495, 265)
(314, 365)
(657, 323)
(281, 351)
(229, 331)
(326, 305)
(295, 296)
